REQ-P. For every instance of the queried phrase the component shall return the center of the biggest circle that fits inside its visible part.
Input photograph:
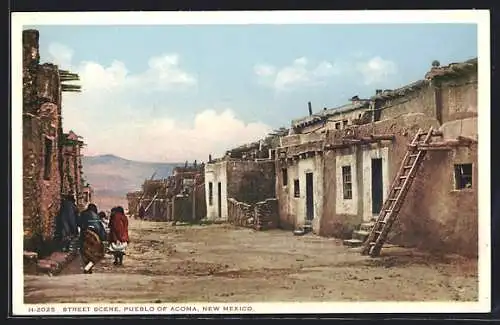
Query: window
(48, 159)
(463, 176)
(345, 123)
(347, 182)
(337, 126)
(210, 193)
(296, 188)
(284, 174)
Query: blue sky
(171, 93)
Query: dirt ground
(222, 263)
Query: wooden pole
(194, 202)
(150, 203)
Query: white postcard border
(479, 17)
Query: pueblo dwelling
(240, 187)
(333, 169)
(51, 159)
(179, 197)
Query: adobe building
(179, 197)
(72, 169)
(43, 174)
(188, 199)
(337, 178)
(240, 187)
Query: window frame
(460, 178)
(347, 182)
(296, 188)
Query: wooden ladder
(399, 188)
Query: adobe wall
(284, 194)
(50, 187)
(31, 185)
(250, 181)
(182, 209)
(420, 100)
(434, 216)
(459, 97)
(292, 210)
(41, 126)
(216, 172)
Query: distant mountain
(113, 176)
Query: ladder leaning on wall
(399, 188)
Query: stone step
(352, 242)
(360, 234)
(48, 266)
(30, 262)
(366, 226)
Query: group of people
(93, 229)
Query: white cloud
(61, 54)
(264, 70)
(376, 70)
(298, 74)
(112, 112)
(165, 139)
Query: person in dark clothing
(142, 212)
(89, 220)
(67, 221)
(118, 234)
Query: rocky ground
(221, 263)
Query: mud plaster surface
(221, 263)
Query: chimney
(378, 91)
(194, 164)
(310, 108)
(210, 158)
(324, 108)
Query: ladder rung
(397, 188)
(372, 243)
(388, 210)
(378, 232)
(408, 166)
(413, 155)
(402, 177)
(392, 199)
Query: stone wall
(182, 208)
(250, 181)
(240, 213)
(31, 184)
(259, 216)
(266, 214)
(41, 150)
(200, 205)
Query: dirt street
(221, 263)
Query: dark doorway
(377, 189)
(309, 196)
(219, 199)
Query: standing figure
(118, 234)
(67, 228)
(142, 212)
